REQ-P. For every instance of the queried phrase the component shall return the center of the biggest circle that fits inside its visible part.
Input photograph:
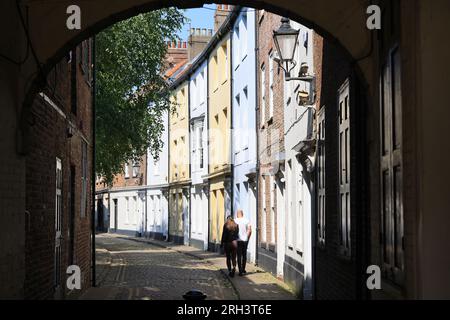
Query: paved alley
(134, 268)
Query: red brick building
(58, 178)
(270, 121)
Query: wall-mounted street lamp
(285, 39)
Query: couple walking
(235, 236)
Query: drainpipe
(207, 146)
(257, 133)
(190, 158)
(109, 209)
(231, 122)
(168, 173)
(93, 164)
(146, 198)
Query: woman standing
(230, 236)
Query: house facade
(244, 95)
(179, 170)
(198, 126)
(295, 246)
(271, 154)
(124, 202)
(157, 187)
(58, 199)
(219, 137)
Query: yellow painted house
(219, 118)
(179, 176)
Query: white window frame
(202, 87)
(272, 209)
(84, 178)
(58, 221)
(237, 46)
(126, 171)
(127, 210)
(290, 185)
(299, 212)
(134, 211)
(135, 169)
(263, 94)
(321, 179)
(264, 212)
(271, 83)
(156, 164)
(244, 35)
(194, 91)
(391, 171)
(200, 147)
(344, 169)
(245, 135)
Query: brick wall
(271, 131)
(49, 139)
(338, 277)
(131, 181)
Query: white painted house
(244, 151)
(295, 226)
(127, 210)
(157, 224)
(198, 126)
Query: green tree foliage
(131, 93)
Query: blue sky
(199, 18)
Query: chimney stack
(197, 41)
(177, 51)
(222, 11)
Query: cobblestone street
(131, 268)
(134, 270)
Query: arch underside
(342, 22)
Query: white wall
(128, 221)
(199, 119)
(157, 179)
(198, 114)
(243, 97)
(157, 170)
(298, 124)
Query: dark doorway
(115, 215)
(100, 218)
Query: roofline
(223, 30)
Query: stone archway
(424, 76)
(343, 23)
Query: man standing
(245, 231)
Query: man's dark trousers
(242, 255)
